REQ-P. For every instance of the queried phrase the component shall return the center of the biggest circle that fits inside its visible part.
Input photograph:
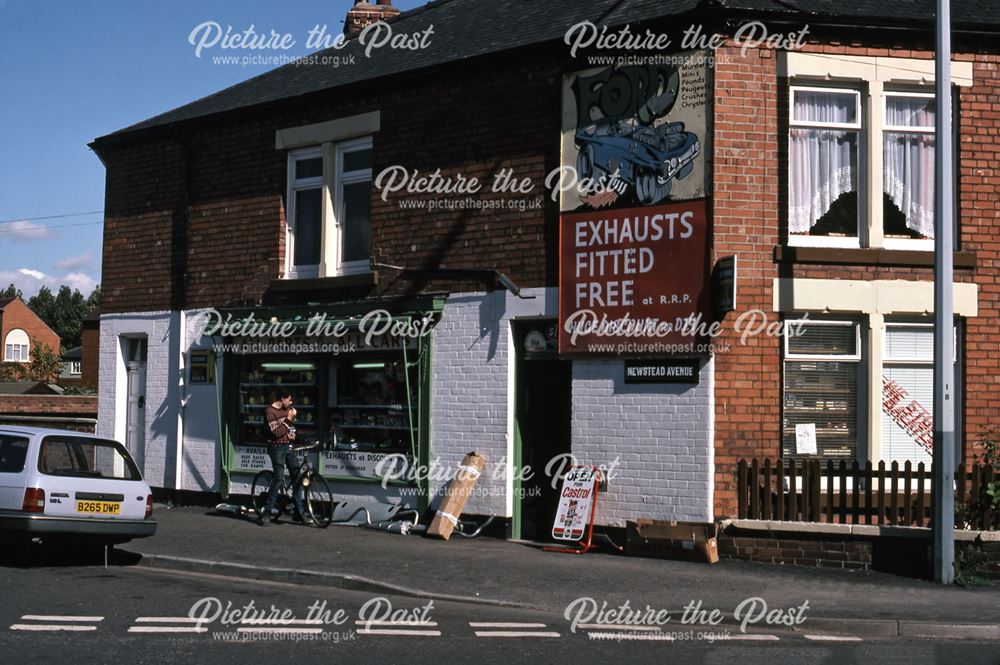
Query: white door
(135, 420)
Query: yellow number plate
(99, 507)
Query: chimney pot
(363, 14)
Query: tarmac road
(68, 608)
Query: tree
(44, 365)
(64, 312)
(11, 292)
(94, 300)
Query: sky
(71, 71)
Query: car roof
(42, 431)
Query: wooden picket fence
(852, 493)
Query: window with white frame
(329, 209)
(908, 392)
(820, 387)
(16, 346)
(824, 169)
(74, 367)
(908, 165)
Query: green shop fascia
(360, 379)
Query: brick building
(21, 330)
(273, 200)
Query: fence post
(881, 492)
(830, 487)
(741, 489)
(843, 491)
(816, 508)
(767, 489)
(894, 499)
(793, 508)
(908, 488)
(920, 495)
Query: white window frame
(789, 355)
(833, 241)
(16, 352)
(331, 183)
(75, 367)
(893, 360)
(921, 244)
(294, 185)
(342, 178)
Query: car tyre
(585, 163)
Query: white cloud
(78, 262)
(30, 281)
(24, 231)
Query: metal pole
(944, 369)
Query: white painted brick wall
(662, 435)
(469, 403)
(160, 329)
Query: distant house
(29, 388)
(21, 330)
(72, 367)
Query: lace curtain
(908, 161)
(822, 163)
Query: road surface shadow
(63, 555)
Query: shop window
(820, 391)
(329, 209)
(16, 346)
(363, 402)
(823, 166)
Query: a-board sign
(576, 503)
(682, 370)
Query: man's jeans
(282, 456)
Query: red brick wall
(750, 178)
(457, 119)
(90, 350)
(822, 553)
(16, 315)
(84, 406)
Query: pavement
(491, 571)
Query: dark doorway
(543, 411)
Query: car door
(14, 448)
(90, 478)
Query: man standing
(280, 434)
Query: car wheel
(686, 171)
(585, 163)
(646, 188)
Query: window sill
(317, 286)
(866, 257)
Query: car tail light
(34, 500)
(149, 506)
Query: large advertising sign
(633, 276)
(633, 280)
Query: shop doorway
(542, 414)
(135, 414)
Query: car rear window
(86, 457)
(13, 450)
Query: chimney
(363, 14)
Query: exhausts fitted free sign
(633, 280)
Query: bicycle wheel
(258, 491)
(319, 500)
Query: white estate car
(57, 483)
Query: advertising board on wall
(633, 277)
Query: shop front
(362, 392)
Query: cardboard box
(685, 541)
(456, 496)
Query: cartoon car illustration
(648, 158)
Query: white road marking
(166, 629)
(42, 627)
(513, 633)
(399, 631)
(165, 620)
(60, 617)
(504, 624)
(416, 624)
(635, 637)
(606, 626)
(832, 638)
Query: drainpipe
(182, 392)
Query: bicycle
(317, 497)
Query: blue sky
(71, 71)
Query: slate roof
(465, 29)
